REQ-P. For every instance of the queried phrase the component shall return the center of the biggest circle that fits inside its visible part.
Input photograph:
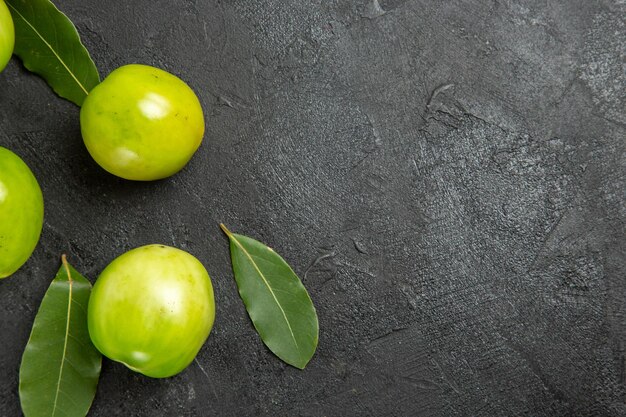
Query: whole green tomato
(7, 35)
(21, 212)
(152, 309)
(142, 123)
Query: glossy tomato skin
(142, 123)
(152, 309)
(7, 35)
(21, 212)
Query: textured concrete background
(447, 177)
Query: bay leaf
(49, 45)
(60, 366)
(277, 302)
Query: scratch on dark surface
(374, 10)
(257, 100)
(545, 241)
(349, 391)
(377, 139)
(530, 360)
(350, 228)
(232, 102)
(386, 335)
(415, 166)
(435, 93)
(566, 91)
(444, 377)
(75, 250)
(422, 383)
(226, 101)
(317, 261)
(487, 122)
(208, 379)
(362, 159)
(170, 229)
(359, 246)
(225, 36)
(354, 267)
(617, 123)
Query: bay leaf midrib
(51, 49)
(67, 332)
(269, 288)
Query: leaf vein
(249, 256)
(51, 48)
(67, 331)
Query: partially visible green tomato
(21, 212)
(7, 35)
(152, 309)
(142, 123)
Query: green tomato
(142, 123)
(21, 212)
(7, 35)
(152, 309)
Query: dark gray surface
(464, 246)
